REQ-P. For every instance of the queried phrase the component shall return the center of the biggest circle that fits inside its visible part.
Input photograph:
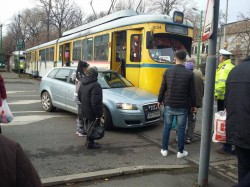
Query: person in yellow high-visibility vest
(224, 68)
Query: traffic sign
(209, 20)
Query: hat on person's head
(92, 72)
(225, 52)
(189, 65)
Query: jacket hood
(88, 80)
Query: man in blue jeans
(178, 92)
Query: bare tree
(238, 34)
(47, 7)
(17, 29)
(33, 20)
(243, 34)
(65, 15)
(9, 43)
(124, 5)
(164, 6)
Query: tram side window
(101, 47)
(51, 54)
(77, 50)
(33, 57)
(47, 54)
(42, 55)
(135, 48)
(28, 57)
(87, 49)
(60, 53)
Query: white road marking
(15, 96)
(20, 112)
(20, 91)
(26, 120)
(24, 102)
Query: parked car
(123, 104)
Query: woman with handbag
(3, 95)
(90, 96)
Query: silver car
(123, 104)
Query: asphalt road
(50, 141)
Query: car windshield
(113, 80)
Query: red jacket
(15, 167)
(3, 94)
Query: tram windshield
(164, 48)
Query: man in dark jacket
(237, 103)
(178, 89)
(15, 167)
(90, 96)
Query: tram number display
(157, 27)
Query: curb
(83, 177)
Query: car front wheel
(47, 102)
(106, 119)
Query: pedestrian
(199, 92)
(224, 68)
(178, 89)
(90, 96)
(80, 73)
(237, 104)
(3, 95)
(15, 167)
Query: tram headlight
(126, 106)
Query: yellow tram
(139, 46)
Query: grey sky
(234, 7)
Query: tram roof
(115, 23)
(105, 19)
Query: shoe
(176, 140)
(220, 150)
(182, 155)
(189, 141)
(81, 133)
(93, 146)
(164, 152)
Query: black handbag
(96, 130)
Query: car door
(70, 88)
(59, 89)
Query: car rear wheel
(47, 102)
(106, 119)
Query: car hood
(130, 95)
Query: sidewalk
(151, 166)
(14, 77)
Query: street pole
(1, 46)
(224, 38)
(18, 44)
(207, 114)
(199, 44)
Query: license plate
(153, 114)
